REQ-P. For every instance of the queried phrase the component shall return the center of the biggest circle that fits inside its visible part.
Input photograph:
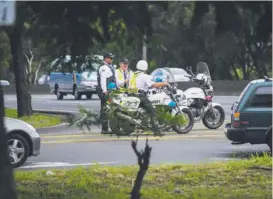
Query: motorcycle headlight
(181, 97)
(178, 98)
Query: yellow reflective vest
(133, 79)
(120, 77)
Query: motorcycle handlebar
(170, 88)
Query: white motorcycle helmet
(142, 65)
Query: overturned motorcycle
(126, 115)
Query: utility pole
(144, 46)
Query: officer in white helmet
(143, 82)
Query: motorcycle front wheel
(209, 120)
(189, 125)
(120, 127)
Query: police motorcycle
(125, 113)
(172, 101)
(199, 99)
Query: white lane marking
(222, 159)
(62, 124)
(62, 164)
(51, 99)
(224, 152)
(71, 102)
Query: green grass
(36, 120)
(244, 179)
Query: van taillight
(236, 119)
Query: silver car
(23, 141)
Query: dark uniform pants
(147, 105)
(103, 115)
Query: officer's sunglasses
(126, 64)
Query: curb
(71, 114)
(58, 112)
(56, 126)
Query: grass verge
(244, 179)
(36, 120)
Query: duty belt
(142, 92)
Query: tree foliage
(179, 34)
(234, 38)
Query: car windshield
(175, 74)
(89, 76)
(178, 71)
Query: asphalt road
(50, 102)
(75, 150)
(68, 147)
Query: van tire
(59, 95)
(76, 94)
(89, 96)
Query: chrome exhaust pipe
(130, 119)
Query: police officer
(123, 74)
(106, 75)
(143, 82)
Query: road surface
(68, 147)
(50, 102)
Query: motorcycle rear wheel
(120, 127)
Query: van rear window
(244, 91)
(262, 98)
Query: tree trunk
(29, 58)
(235, 72)
(19, 66)
(7, 184)
(37, 72)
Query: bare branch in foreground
(143, 162)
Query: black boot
(104, 125)
(156, 129)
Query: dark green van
(251, 117)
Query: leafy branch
(88, 119)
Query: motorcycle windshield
(163, 74)
(203, 68)
(170, 76)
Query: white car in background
(178, 73)
(4, 83)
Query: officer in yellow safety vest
(141, 82)
(124, 74)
